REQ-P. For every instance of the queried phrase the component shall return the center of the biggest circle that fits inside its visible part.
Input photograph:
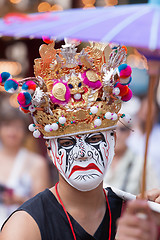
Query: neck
(10, 151)
(119, 153)
(87, 208)
(78, 199)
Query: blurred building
(28, 6)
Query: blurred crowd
(26, 170)
(126, 169)
(23, 171)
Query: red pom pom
(25, 110)
(47, 40)
(29, 86)
(123, 89)
(128, 96)
(124, 47)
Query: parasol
(133, 25)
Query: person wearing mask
(139, 134)
(75, 110)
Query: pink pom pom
(0, 80)
(29, 86)
(24, 99)
(54, 95)
(47, 39)
(89, 83)
(124, 71)
(128, 96)
(123, 89)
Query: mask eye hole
(94, 139)
(66, 142)
(70, 85)
(79, 84)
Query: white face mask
(82, 160)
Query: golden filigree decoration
(53, 66)
(59, 91)
(76, 83)
(92, 76)
(77, 121)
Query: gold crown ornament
(74, 93)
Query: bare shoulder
(36, 161)
(20, 226)
(39, 172)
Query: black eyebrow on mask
(88, 135)
(66, 138)
(94, 134)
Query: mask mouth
(91, 166)
(81, 170)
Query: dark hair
(9, 114)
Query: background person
(137, 139)
(125, 172)
(22, 173)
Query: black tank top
(53, 223)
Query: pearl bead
(31, 108)
(108, 115)
(36, 134)
(31, 127)
(77, 96)
(48, 128)
(116, 91)
(54, 126)
(114, 116)
(127, 118)
(97, 122)
(62, 120)
(94, 110)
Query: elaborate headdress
(74, 93)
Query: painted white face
(82, 160)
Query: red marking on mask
(78, 137)
(56, 158)
(91, 166)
